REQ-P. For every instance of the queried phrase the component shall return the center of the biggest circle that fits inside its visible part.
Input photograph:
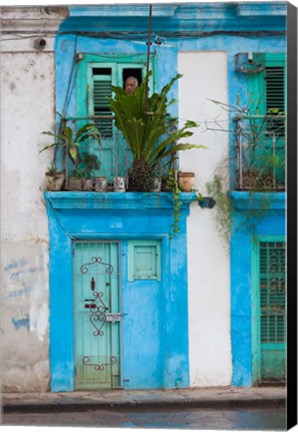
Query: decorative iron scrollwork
(97, 308)
(97, 366)
(98, 313)
(84, 267)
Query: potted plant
(186, 181)
(54, 178)
(69, 141)
(149, 131)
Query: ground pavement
(211, 397)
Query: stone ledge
(257, 200)
(117, 200)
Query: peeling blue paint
(15, 264)
(24, 322)
(20, 292)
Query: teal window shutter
(101, 92)
(144, 260)
(267, 120)
(275, 98)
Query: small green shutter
(272, 310)
(144, 260)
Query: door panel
(97, 315)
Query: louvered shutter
(265, 155)
(275, 98)
(272, 310)
(101, 92)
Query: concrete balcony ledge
(258, 200)
(116, 200)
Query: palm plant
(149, 132)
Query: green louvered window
(102, 83)
(272, 292)
(265, 126)
(275, 98)
(272, 301)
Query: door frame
(119, 254)
(255, 303)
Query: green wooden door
(270, 313)
(97, 315)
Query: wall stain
(12, 87)
(30, 64)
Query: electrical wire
(123, 35)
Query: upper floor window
(260, 133)
(95, 77)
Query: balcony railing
(259, 153)
(113, 154)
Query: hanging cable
(148, 57)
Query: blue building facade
(152, 336)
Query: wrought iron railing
(259, 153)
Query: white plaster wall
(27, 109)
(205, 77)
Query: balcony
(259, 153)
(113, 155)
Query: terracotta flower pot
(186, 181)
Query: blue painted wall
(155, 315)
(269, 223)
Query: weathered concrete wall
(204, 78)
(27, 109)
